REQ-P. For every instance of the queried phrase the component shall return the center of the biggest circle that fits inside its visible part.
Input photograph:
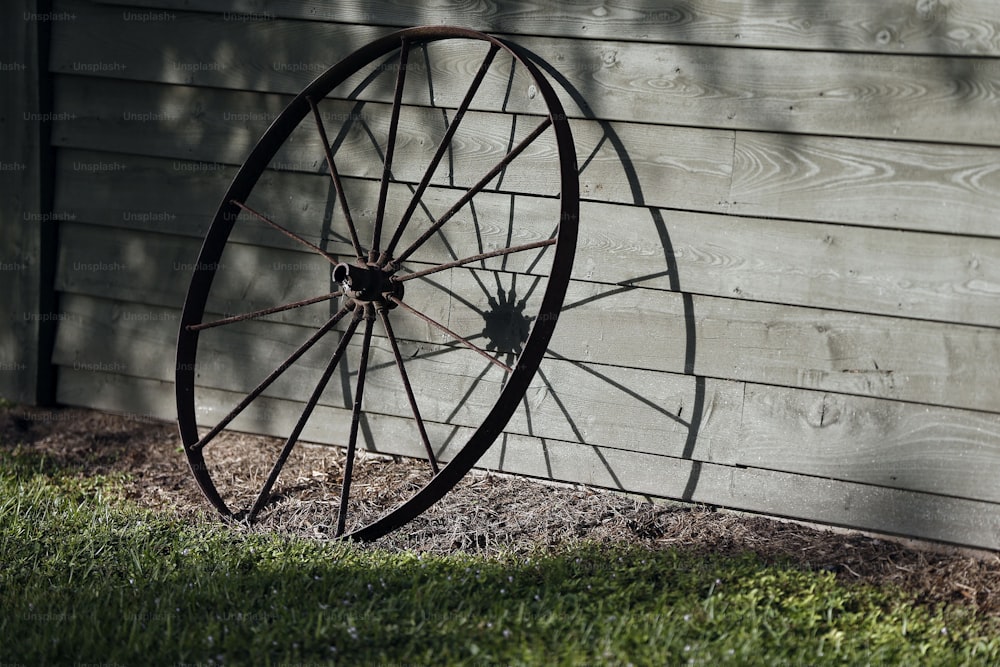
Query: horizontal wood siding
(785, 292)
(26, 315)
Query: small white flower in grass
(506, 633)
(353, 632)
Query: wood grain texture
(834, 436)
(894, 185)
(885, 444)
(912, 275)
(894, 26)
(650, 411)
(869, 441)
(844, 94)
(920, 515)
(924, 187)
(674, 164)
(926, 362)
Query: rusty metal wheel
(386, 269)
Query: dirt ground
(486, 513)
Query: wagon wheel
(394, 254)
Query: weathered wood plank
(676, 163)
(889, 272)
(926, 362)
(896, 185)
(886, 444)
(211, 126)
(928, 516)
(863, 440)
(648, 411)
(895, 26)
(853, 94)
(149, 194)
(897, 273)
(871, 441)
(181, 197)
(907, 360)
(156, 269)
(892, 184)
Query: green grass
(86, 577)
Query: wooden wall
(27, 315)
(785, 294)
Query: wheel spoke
(434, 323)
(397, 102)
(263, 313)
(352, 442)
(553, 236)
(408, 389)
(265, 492)
(441, 150)
(475, 258)
(476, 308)
(475, 189)
(535, 283)
(287, 232)
(275, 374)
(337, 185)
(461, 402)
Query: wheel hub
(368, 284)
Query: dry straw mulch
(486, 513)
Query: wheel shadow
(611, 139)
(608, 142)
